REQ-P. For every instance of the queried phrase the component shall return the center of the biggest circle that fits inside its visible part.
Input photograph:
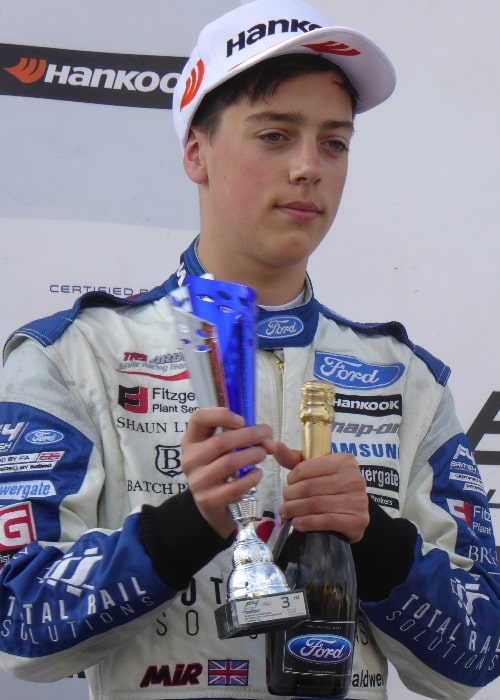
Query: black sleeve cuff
(385, 554)
(178, 539)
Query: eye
(272, 137)
(337, 145)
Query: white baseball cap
(262, 29)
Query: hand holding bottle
(325, 492)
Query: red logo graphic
(193, 83)
(28, 70)
(461, 510)
(50, 456)
(171, 378)
(266, 525)
(134, 399)
(16, 526)
(182, 674)
(168, 359)
(333, 47)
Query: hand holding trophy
(216, 322)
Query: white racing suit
(107, 565)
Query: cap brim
(364, 63)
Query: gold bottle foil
(317, 414)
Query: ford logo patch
(44, 436)
(280, 327)
(350, 373)
(320, 648)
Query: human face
(271, 177)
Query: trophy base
(245, 616)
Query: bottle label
(317, 646)
(320, 648)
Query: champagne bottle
(313, 658)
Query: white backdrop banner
(93, 196)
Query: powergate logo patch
(129, 80)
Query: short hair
(264, 79)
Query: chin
(300, 245)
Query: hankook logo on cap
(333, 47)
(193, 83)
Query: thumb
(285, 456)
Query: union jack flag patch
(227, 672)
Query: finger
(224, 493)
(353, 504)
(332, 464)
(197, 453)
(204, 421)
(342, 483)
(350, 527)
(232, 449)
(285, 456)
(205, 476)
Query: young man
(108, 567)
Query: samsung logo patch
(350, 373)
(280, 327)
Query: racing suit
(107, 565)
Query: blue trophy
(216, 326)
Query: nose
(305, 166)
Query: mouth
(300, 210)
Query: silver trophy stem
(254, 571)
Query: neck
(274, 285)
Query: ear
(194, 157)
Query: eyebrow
(297, 119)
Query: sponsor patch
(19, 490)
(380, 450)
(168, 460)
(381, 478)
(29, 462)
(369, 406)
(9, 435)
(17, 527)
(169, 367)
(280, 327)
(43, 436)
(172, 676)
(351, 373)
(463, 470)
(227, 672)
(133, 399)
(468, 595)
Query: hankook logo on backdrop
(128, 80)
